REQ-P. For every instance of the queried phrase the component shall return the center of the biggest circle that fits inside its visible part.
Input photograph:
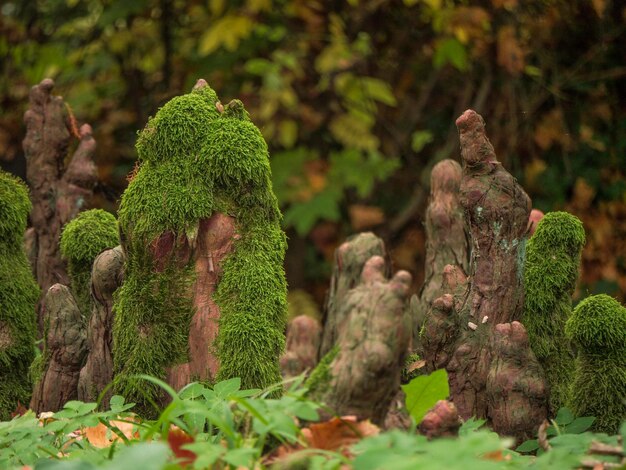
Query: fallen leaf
(177, 438)
(339, 433)
(101, 436)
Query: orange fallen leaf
(101, 436)
(339, 433)
(177, 438)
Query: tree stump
(550, 274)
(302, 346)
(361, 374)
(18, 297)
(204, 294)
(465, 331)
(447, 241)
(350, 258)
(97, 373)
(65, 347)
(58, 190)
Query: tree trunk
(64, 352)
(302, 346)
(58, 190)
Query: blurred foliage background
(357, 100)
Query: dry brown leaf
(101, 436)
(510, 51)
(339, 433)
(363, 217)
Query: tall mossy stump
(597, 328)
(59, 190)
(473, 330)
(447, 241)
(97, 372)
(204, 293)
(550, 273)
(18, 298)
(67, 310)
(360, 375)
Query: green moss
(83, 239)
(598, 328)
(196, 162)
(406, 374)
(18, 298)
(320, 377)
(550, 274)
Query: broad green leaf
(420, 139)
(564, 416)
(579, 425)
(528, 446)
(423, 392)
(227, 387)
(323, 206)
(450, 51)
(471, 425)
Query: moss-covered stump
(18, 298)
(598, 329)
(446, 239)
(302, 346)
(65, 346)
(204, 290)
(350, 258)
(361, 374)
(59, 190)
(97, 372)
(83, 238)
(550, 274)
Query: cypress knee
(18, 298)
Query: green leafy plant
(424, 391)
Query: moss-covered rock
(83, 238)
(550, 274)
(196, 162)
(18, 298)
(598, 329)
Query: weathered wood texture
(447, 241)
(302, 345)
(372, 336)
(472, 330)
(64, 351)
(58, 190)
(350, 259)
(97, 372)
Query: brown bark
(516, 389)
(372, 342)
(447, 241)
(497, 211)
(64, 351)
(302, 346)
(214, 242)
(473, 331)
(97, 372)
(350, 259)
(58, 190)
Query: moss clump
(598, 329)
(18, 298)
(83, 238)
(550, 274)
(412, 368)
(195, 162)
